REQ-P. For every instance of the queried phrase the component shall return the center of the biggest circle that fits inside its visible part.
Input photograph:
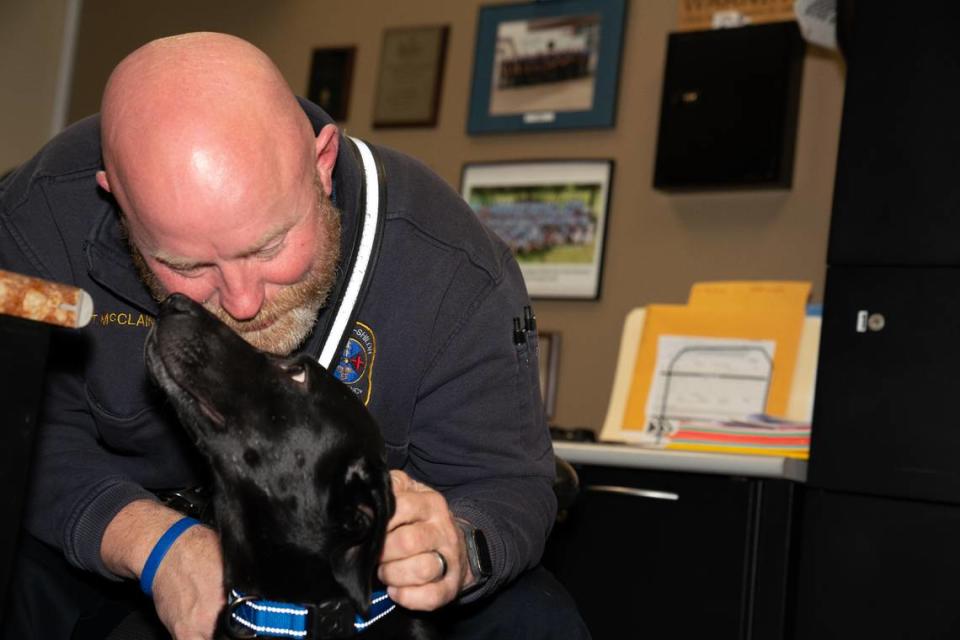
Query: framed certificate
(331, 75)
(410, 77)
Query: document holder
(800, 397)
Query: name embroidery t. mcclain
(122, 319)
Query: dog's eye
(297, 373)
(358, 520)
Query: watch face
(478, 553)
(483, 554)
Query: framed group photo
(546, 65)
(553, 216)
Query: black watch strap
(478, 552)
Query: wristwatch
(478, 553)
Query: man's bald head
(224, 186)
(200, 120)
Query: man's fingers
(426, 598)
(433, 591)
(422, 528)
(408, 541)
(416, 505)
(418, 570)
(400, 481)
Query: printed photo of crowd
(546, 64)
(541, 223)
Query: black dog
(301, 490)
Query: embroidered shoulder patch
(355, 368)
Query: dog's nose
(178, 303)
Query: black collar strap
(251, 617)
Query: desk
(677, 544)
(621, 455)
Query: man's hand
(188, 586)
(421, 527)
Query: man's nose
(241, 291)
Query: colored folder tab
(750, 294)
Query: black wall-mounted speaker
(728, 114)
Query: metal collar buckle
(231, 626)
(332, 619)
(249, 616)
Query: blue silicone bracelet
(160, 550)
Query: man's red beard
(285, 320)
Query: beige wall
(657, 244)
(31, 39)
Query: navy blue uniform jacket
(457, 400)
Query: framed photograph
(410, 77)
(553, 216)
(549, 363)
(331, 75)
(546, 65)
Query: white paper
(729, 19)
(710, 378)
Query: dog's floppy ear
(366, 507)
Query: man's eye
(270, 252)
(189, 272)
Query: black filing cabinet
(878, 556)
(885, 419)
(663, 554)
(877, 567)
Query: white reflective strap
(367, 237)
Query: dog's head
(301, 489)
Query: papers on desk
(748, 313)
(691, 376)
(710, 378)
(758, 435)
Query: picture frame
(553, 214)
(410, 77)
(546, 65)
(549, 342)
(331, 78)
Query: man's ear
(327, 145)
(102, 181)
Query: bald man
(204, 175)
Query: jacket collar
(110, 265)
